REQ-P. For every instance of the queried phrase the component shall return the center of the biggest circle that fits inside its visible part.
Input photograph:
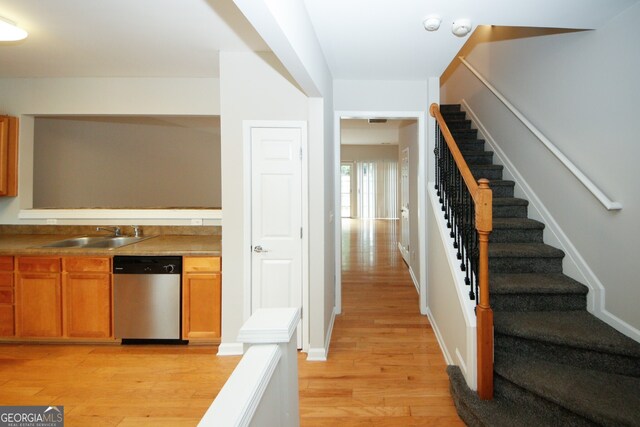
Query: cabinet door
(8, 156)
(87, 305)
(201, 299)
(38, 305)
(6, 304)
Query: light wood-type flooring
(384, 367)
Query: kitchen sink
(115, 242)
(106, 242)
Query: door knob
(258, 249)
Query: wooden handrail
(483, 201)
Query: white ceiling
(385, 40)
(123, 38)
(361, 39)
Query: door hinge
(301, 232)
(300, 153)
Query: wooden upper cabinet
(38, 293)
(8, 156)
(201, 298)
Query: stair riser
(464, 134)
(486, 173)
(448, 108)
(537, 302)
(459, 115)
(509, 211)
(524, 399)
(482, 158)
(502, 190)
(525, 265)
(588, 359)
(459, 125)
(471, 144)
(501, 235)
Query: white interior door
(404, 204)
(276, 218)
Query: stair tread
(510, 201)
(578, 329)
(600, 396)
(535, 283)
(501, 182)
(521, 223)
(492, 166)
(498, 412)
(523, 250)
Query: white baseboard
(231, 349)
(321, 354)
(578, 268)
(414, 279)
(443, 348)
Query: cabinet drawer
(38, 264)
(6, 263)
(201, 264)
(86, 264)
(6, 280)
(6, 295)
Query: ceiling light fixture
(10, 32)
(432, 22)
(461, 27)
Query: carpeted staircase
(555, 363)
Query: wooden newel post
(484, 314)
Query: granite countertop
(30, 244)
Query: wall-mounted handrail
(463, 215)
(602, 198)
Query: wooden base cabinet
(86, 292)
(7, 328)
(201, 298)
(38, 297)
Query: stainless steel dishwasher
(147, 297)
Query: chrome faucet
(115, 230)
(137, 232)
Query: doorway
(416, 158)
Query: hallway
(385, 366)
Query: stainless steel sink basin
(116, 242)
(75, 242)
(97, 242)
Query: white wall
(581, 90)
(126, 162)
(409, 139)
(450, 310)
(350, 153)
(57, 96)
(254, 89)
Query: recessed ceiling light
(10, 32)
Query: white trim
(443, 347)
(320, 354)
(53, 216)
(230, 349)
(240, 396)
(246, 154)
(578, 267)
(602, 198)
(461, 364)
(421, 117)
(414, 279)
